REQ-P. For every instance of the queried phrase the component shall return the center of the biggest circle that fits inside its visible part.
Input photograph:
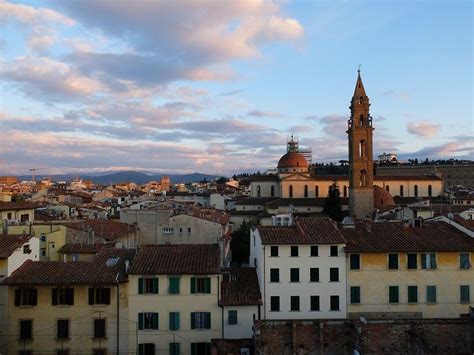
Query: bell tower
(361, 170)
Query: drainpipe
(264, 286)
(118, 314)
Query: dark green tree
(332, 204)
(240, 244)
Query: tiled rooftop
(177, 259)
(11, 242)
(242, 288)
(110, 230)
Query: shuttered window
(232, 317)
(99, 328)
(62, 331)
(465, 294)
(174, 321)
(294, 275)
(148, 320)
(200, 320)
(430, 294)
(412, 261)
(355, 261)
(62, 296)
(355, 294)
(99, 295)
(412, 294)
(200, 285)
(148, 285)
(314, 274)
(393, 294)
(173, 287)
(200, 348)
(393, 261)
(26, 297)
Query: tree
(240, 244)
(221, 180)
(332, 204)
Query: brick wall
(453, 336)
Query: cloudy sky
(219, 86)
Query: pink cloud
(423, 128)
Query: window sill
(63, 339)
(334, 310)
(334, 281)
(274, 311)
(294, 282)
(99, 338)
(314, 282)
(295, 310)
(25, 306)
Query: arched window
(259, 191)
(361, 120)
(345, 191)
(272, 191)
(290, 191)
(316, 191)
(305, 190)
(401, 190)
(361, 99)
(363, 178)
(416, 190)
(387, 188)
(362, 149)
(430, 190)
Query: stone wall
(439, 336)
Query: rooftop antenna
(358, 68)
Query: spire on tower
(359, 89)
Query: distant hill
(127, 176)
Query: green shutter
(208, 320)
(193, 320)
(140, 286)
(141, 349)
(207, 285)
(155, 320)
(193, 285)
(173, 285)
(155, 285)
(140, 321)
(174, 321)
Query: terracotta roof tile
(102, 270)
(308, 230)
(242, 288)
(110, 230)
(11, 242)
(395, 237)
(177, 259)
(6, 206)
(70, 248)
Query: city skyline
(183, 87)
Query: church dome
(382, 198)
(293, 160)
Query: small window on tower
(363, 178)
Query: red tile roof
(395, 237)
(7, 206)
(110, 230)
(466, 223)
(102, 270)
(70, 248)
(242, 288)
(307, 230)
(177, 259)
(11, 242)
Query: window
(99, 352)
(200, 348)
(255, 262)
(294, 303)
(26, 297)
(148, 320)
(99, 328)
(259, 193)
(26, 329)
(274, 303)
(274, 250)
(173, 285)
(362, 148)
(355, 261)
(334, 251)
(232, 317)
(294, 275)
(274, 275)
(200, 285)
(387, 187)
(464, 262)
(305, 190)
(175, 349)
(316, 191)
(148, 285)
(428, 261)
(62, 330)
(355, 294)
(25, 352)
(314, 274)
(430, 294)
(344, 191)
(99, 295)
(393, 261)
(174, 321)
(62, 296)
(412, 294)
(334, 303)
(290, 191)
(363, 178)
(393, 294)
(62, 352)
(294, 250)
(26, 249)
(272, 191)
(167, 230)
(200, 320)
(465, 294)
(146, 349)
(430, 190)
(314, 303)
(189, 230)
(412, 261)
(416, 190)
(334, 274)
(314, 250)
(401, 190)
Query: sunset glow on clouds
(219, 86)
